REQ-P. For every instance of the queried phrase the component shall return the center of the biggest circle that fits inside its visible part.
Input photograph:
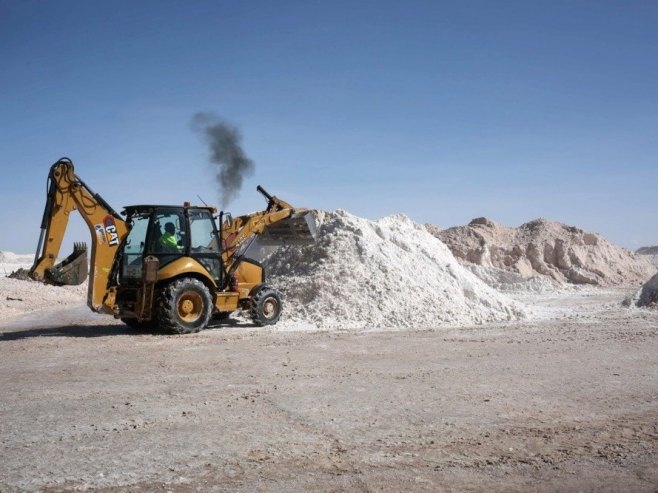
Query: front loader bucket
(298, 229)
(72, 270)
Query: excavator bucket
(298, 229)
(72, 270)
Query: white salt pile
(10, 262)
(18, 297)
(549, 249)
(376, 274)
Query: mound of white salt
(10, 262)
(547, 248)
(19, 297)
(386, 273)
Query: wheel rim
(270, 307)
(190, 306)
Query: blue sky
(442, 110)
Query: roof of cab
(146, 208)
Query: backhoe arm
(67, 193)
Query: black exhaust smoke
(224, 141)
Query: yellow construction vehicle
(165, 267)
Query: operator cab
(169, 233)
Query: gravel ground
(561, 404)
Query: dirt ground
(567, 403)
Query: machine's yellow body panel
(227, 302)
(183, 265)
(249, 276)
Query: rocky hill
(546, 248)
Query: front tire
(266, 306)
(184, 306)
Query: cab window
(133, 249)
(203, 233)
(168, 233)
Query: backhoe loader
(165, 267)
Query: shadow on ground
(102, 330)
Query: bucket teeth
(72, 270)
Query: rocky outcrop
(648, 250)
(563, 253)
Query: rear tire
(184, 306)
(266, 306)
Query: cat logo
(111, 231)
